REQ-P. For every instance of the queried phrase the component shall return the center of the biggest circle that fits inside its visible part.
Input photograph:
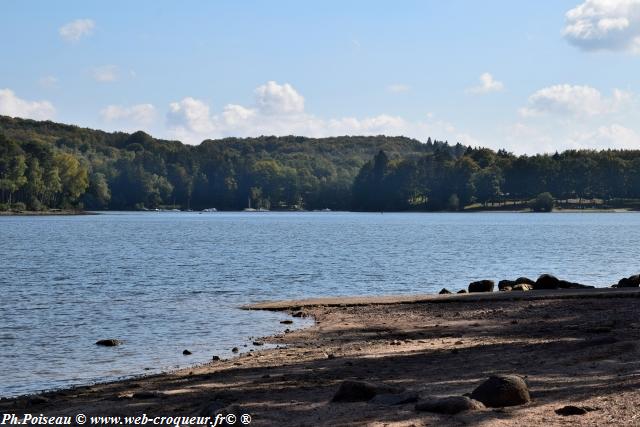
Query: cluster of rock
(496, 392)
(544, 282)
(628, 282)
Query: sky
(528, 77)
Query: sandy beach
(573, 347)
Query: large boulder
(449, 405)
(524, 280)
(360, 391)
(546, 281)
(502, 390)
(506, 285)
(481, 286)
(629, 282)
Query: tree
(543, 202)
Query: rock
(391, 399)
(568, 410)
(546, 281)
(444, 291)
(629, 282)
(187, 353)
(524, 280)
(449, 405)
(360, 391)
(235, 350)
(258, 343)
(462, 291)
(502, 390)
(215, 358)
(298, 314)
(481, 286)
(522, 287)
(109, 342)
(506, 285)
(286, 322)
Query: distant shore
(56, 212)
(575, 347)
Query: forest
(46, 165)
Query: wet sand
(575, 347)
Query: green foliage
(49, 165)
(543, 202)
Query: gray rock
(547, 281)
(502, 390)
(481, 286)
(235, 350)
(186, 352)
(524, 280)
(444, 291)
(109, 342)
(462, 291)
(629, 282)
(506, 285)
(361, 391)
(449, 405)
(569, 410)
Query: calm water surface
(165, 282)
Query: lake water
(165, 282)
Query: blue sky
(526, 76)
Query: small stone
(258, 343)
(444, 291)
(215, 358)
(286, 322)
(462, 291)
(235, 350)
(568, 410)
(186, 352)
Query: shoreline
(575, 346)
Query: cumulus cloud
(487, 84)
(398, 88)
(75, 30)
(134, 115)
(279, 110)
(574, 100)
(272, 98)
(605, 25)
(11, 105)
(611, 136)
(105, 73)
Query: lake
(165, 282)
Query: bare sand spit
(575, 347)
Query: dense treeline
(46, 165)
(444, 181)
(51, 165)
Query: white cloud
(573, 100)
(48, 82)
(605, 25)
(75, 30)
(190, 116)
(140, 114)
(612, 136)
(279, 110)
(11, 105)
(398, 88)
(272, 98)
(487, 84)
(105, 73)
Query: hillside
(47, 164)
